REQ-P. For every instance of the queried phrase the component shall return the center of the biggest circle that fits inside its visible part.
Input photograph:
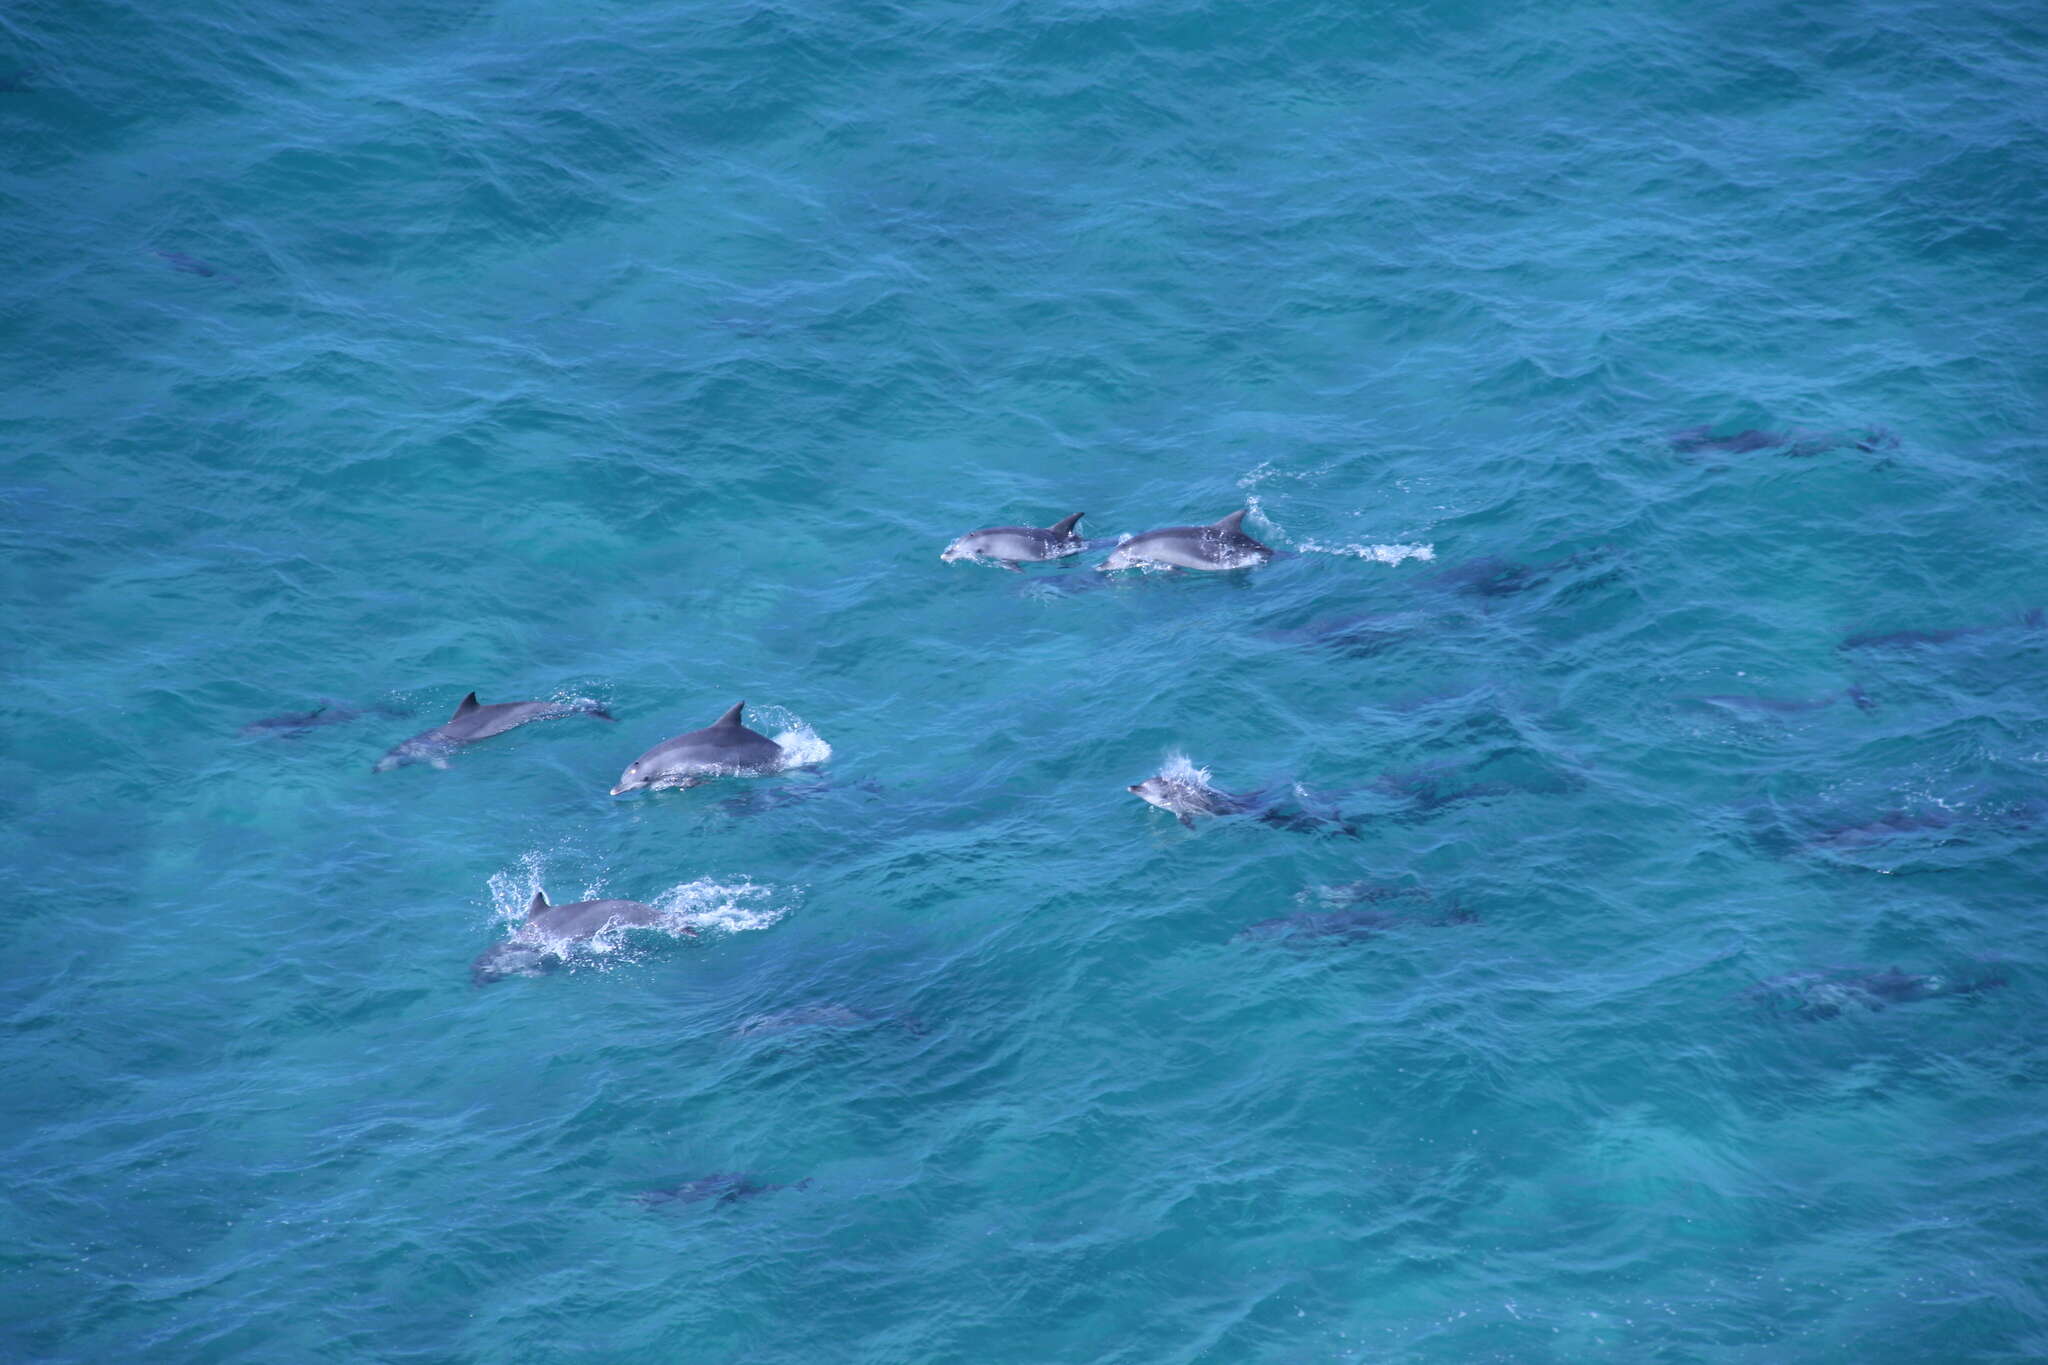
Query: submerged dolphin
(1795, 443)
(473, 721)
(295, 723)
(1184, 790)
(550, 928)
(1005, 546)
(1825, 994)
(821, 1016)
(2033, 619)
(1221, 545)
(724, 748)
(724, 1187)
(1787, 706)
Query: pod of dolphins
(729, 748)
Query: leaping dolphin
(474, 721)
(1222, 545)
(724, 748)
(1006, 546)
(550, 928)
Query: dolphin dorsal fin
(465, 706)
(1232, 524)
(730, 718)
(1065, 526)
(537, 904)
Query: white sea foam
(1378, 554)
(1178, 767)
(730, 907)
(801, 745)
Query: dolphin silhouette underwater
(474, 721)
(1813, 995)
(722, 1187)
(724, 748)
(549, 929)
(1008, 546)
(295, 723)
(1215, 548)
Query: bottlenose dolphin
(1825, 994)
(1005, 546)
(1797, 443)
(1219, 546)
(1184, 790)
(295, 723)
(191, 265)
(1350, 926)
(473, 721)
(1788, 706)
(724, 748)
(2033, 619)
(550, 928)
(820, 1016)
(724, 1187)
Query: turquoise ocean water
(650, 354)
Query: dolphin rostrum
(550, 928)
(1223, 545)
(473, 721)
(724, 748)
(1005, 546)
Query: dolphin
(1787, 706)
(191, 265)
(1350, 926)
(724, 748)
(473, 721)
(1184, 790)
(724, 1187)
(2033, 619)
(1800, 444)
(550, 928)
(1825, 994)
(821, 1016)
(292, 724)
(1006, 546)
(1219, 546)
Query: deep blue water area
(1649, 402)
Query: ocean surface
(1651, 404)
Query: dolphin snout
(620, 791)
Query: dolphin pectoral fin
(1187, 820)
(1006, 564)
(439, 761)
(601, 714)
